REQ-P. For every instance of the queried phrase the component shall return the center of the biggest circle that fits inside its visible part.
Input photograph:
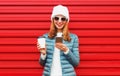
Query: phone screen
(59, 39)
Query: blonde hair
(53, 31)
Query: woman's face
(59, 21)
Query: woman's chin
(59, 27)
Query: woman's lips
(60, 25)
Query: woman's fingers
(61, 46)
(38, 46)
(43, 51)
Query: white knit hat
(59, 9)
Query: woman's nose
(60, 22)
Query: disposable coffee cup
(41, 41)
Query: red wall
(96, 22)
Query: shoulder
(72, 35)
(44, 35)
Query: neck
(59, 30)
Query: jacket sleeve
(73, 55)
(42, 61)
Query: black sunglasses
(62, 18)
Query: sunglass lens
(63, 19)
(56, 18)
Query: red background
(96, 22)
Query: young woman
(59, 58)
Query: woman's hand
(41, 50)
(62, 47)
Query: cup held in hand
(41, 41)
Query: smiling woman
(96, 23)
(59, 58)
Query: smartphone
(59, 39)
